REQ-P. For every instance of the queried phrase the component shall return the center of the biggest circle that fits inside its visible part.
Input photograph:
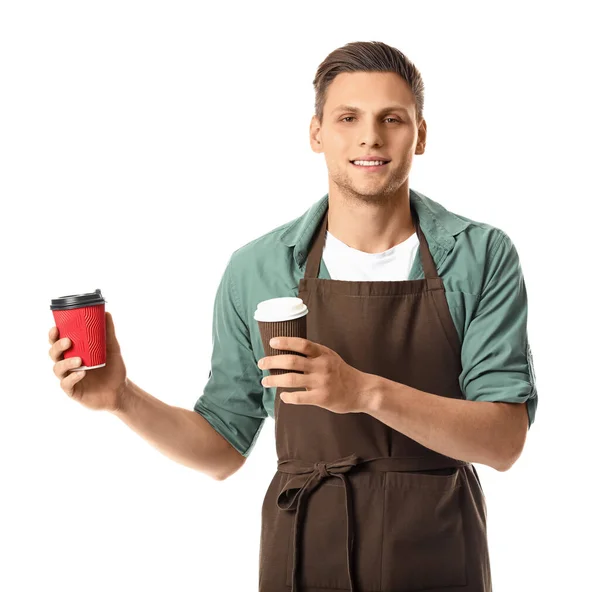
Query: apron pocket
(423, 537)
(322, 552)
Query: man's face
(383, 124)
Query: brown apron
(354, 504)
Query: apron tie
(294, 494)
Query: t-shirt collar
(439, 225)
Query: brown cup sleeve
(291, 328)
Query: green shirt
(484, 285)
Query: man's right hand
(100, 388)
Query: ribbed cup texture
(86, 328)
(292, 328)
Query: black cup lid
(77, 300)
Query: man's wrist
(124, 397)
(371, 394)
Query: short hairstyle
(367, 56)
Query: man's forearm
(180, 434)
(474, 431)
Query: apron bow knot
(305, 480)
(321, 468)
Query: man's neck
(370, 225)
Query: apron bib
(354, 504)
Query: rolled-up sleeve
(496, 357)
(232, 398)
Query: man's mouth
(370, 164)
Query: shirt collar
(439, 225)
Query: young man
(416, 362)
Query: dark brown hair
(367, 56)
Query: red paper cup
(80, 317)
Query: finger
(56, 351)
(290, 379)
(297, 398)
(68, 383)
(111, 339)
(53, 335)
(297, 344)
(285, 362)
(62, 368)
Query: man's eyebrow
(357, 110)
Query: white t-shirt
(348, 264)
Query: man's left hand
(328, 381)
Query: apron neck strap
(429, 268)
(315, 253)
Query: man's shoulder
(264, 245)
(269, 250)
(474, 248)
(466, 230)
(482, 234)
(276, 245)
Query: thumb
(111, 338)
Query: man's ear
(315, 135)
(422, 138)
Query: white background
(141, 143)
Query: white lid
(280, 309)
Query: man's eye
(350, 117)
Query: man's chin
(364, 192)
(367, 195)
